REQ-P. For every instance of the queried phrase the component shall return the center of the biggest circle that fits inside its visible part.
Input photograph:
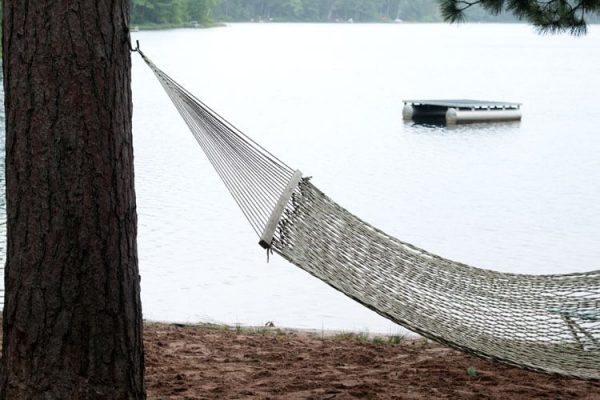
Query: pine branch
(548, 16)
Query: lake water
(327, 99)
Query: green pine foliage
(553, 16)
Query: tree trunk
(72, 314)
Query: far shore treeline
(165, 13)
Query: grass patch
(395, 339)
(379, 340)
(364, 337)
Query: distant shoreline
(156, 27)
(220, 24)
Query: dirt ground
(215, 362)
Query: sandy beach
(218, 362)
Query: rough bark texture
(72, 314)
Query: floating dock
(460, 111)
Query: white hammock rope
(548, 323)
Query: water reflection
(439, 126)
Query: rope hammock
(548, 323)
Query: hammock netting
(548, 323)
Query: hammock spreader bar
(267, 236)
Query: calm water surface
(327, 99)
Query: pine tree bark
(72, 315)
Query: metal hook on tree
(137, 42)
(137, 46)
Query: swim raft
(460, 111)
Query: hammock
(548, 323)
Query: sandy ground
(215, 362)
